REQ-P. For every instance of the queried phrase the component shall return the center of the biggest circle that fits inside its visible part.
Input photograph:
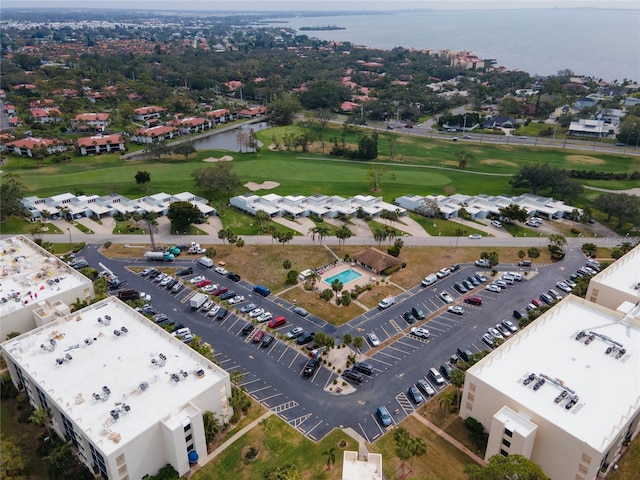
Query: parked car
(483, 262)
(196, 279)
(206, 306)
(214, 311)
(426, 388)
(536, 302)
(408, 317)
(473, 300)
(436, 376)
(564, 287)
(464, 354)
(234, 277)
(488, 340)
(353, 376)
(257, 338)
(546, 298)
(495, 333)
(493, 288)
(237, 299)
(373, 339)
(221, 270)
(222, 313)
(203, 283)
(146, 271)
(555, 294)
(459, 287)
(248, 308)
(248, 328)
(418, 313)
(256, 312)
(383, 415)
(277, 322)
(300, 311)
(420, 332)
(184, 271)
(305, 338)
(454, 267)
(506, 333)
(363, 367)
(446, 370)
(457, 309)
(177, 287)
(445, 297)
(265, 317)
(267, 340)
(310, 368)
(496, 223)
(294, 333)
(474, 281)
(443, 272)
(220, 290)
(414, 393)
(228, 295)
(510, 325)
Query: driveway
(496, 232)
(301, 225)
(408, 225)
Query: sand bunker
(584, 160)
(506, 163)
(261, 186)
(226, 158)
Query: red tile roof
(99, 140)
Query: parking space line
(312, 428)
(294, 359)
(401, 341)
(364, 434)
(249, 382)
(264, 400)
(399, 350)
(223, 361)
(276, 343)
(296, 422)
(232, 368)
(381, 361)
(404, 403)
(395, 325)
(385, 332)
(389, 355)
(283, 352)
(258, 390)
(284, 406)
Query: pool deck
(366, 275)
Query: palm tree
(343, 233)
(533, 253)
(262, 217)
(331, 457)
(445, 402)
(459, 233)
(418, 448)
(313, 231)
(313, 277)
(236, 377)
(403, 445)
(336, 286)
(322, 231)
(265, 427)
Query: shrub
(326, 294)
(292, 277)
(476, 431)
(286, 264)
(107, 244)
(391, 270)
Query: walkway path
(630, 191)
(449, 438)
(204, 461)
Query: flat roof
(129, 365)
(29, 274)
(608, 387)
(623, 274)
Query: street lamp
(69, 230)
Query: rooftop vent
(105, 321)
(115, 414)
(175, 377)
(117, 333)
(143, 386)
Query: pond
(228, 140)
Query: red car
(536, 302)
(259, 336)
(203, 283)
(473, 300)
(220, 291)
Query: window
(188, 438)
(506, 442)
(508, 432)
(187, 427)
(586, 458)
(503, 453)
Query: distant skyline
(327, 5)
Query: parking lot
(273, 374)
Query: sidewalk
(449, 438)
(205, 461)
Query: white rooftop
(355, 469)
(29, 274)
(623, 275)
(121, 363)
(608, 388)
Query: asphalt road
(273, 375)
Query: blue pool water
(345, 277)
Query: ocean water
(595, 42)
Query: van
(435, 375)
(277, 322)
(524, 263)
(205, 262)
(429, 280)
(516, 276)
(262, 290)
(508, 278)
(182, 332)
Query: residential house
(144, 114)
(154, 134)
(501, 121)
(46, 115)
(588, 128)
(27, 147)
(100, 144)
(375, 260)
(190, 125)
(252, 112)
(220, 115)
(91, 121)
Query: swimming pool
(345, 277)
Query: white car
(196, 279)
(386, 302)
(475, 236)
(256, 313)
(209, 288)
(495, 333)
(214, 311)
(483, 262)
(564, 287)
(444, 295)
(295, 333)
(420, 332)
(493, 288)
(165, 281)
(496, 223)
(265, 317)
(457, 309)
(221, 270)
(207, 306)
(160, 277)
(510, 325)
(236, 299)
(373, 339)
(506, 333)
(443, 273)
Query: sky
(315, 5)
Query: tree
(557, 240)
(493, 258)
(535, 177)
(336, 286)
(218, 180)
(323, 116)
(331, 457)
(629, 132)
(182, 215)
(13, 465)
(41, 417)
(358, 343)
(288, 471)
(211, 425)
(184, 149)
(533, 253)
(464, 158)
(347, 339)
(61, 462)
(11, 190)
(158, 148)
(379, 234)
(510, 467)
(459, 232)
(210, 252)
(283, 109)
(322, 231)
(343, 233)
(262, 217)
(402, 440)
(457, 380)
(521, 254)
(374, 177)
(142, 177)
(513, 212)
(446, 401)
(417, 448)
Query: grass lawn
(629, 464)
(518, 230)
(241, 223)
(326, 310)
(82, 228)
(439, 226)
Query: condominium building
(35, 286)
(565, 391)
(126, 393)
